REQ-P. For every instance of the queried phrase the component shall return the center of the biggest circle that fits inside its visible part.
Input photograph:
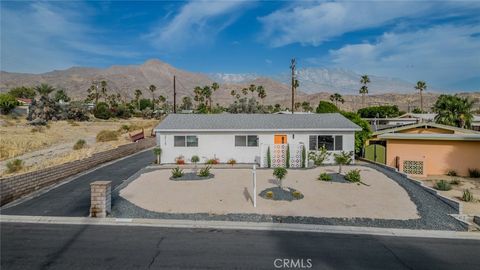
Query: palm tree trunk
(158, 159)
(363, 100)
(421, 101)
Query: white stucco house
(248, 138)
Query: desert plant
(455, 182)
(304, 156)
(318, 157)
(452, 173)
(474, 173)
(177, 172)
(280, 173)
(232, 161)
(107, 135)
(288, 156)
(194, 159)
(269, 157)
(325, 177)
(269, 194)
(102, 111)
(443, 185)
(79, 144)
(157, 151)
(180, 160)
(353, 176)
(467, 196)
(212, 161)
(14, 165)
(297, 194)
(343, 158)
(205, 171)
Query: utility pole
(292, 67)
(174, 96)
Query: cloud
(39, 37)
(197, 23)
(441, 55)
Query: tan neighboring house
(426, 149)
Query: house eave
(259, 130)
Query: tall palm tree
(337, 98)
(252, 88)
(244, 91)
(207, 93)
(364, 80)
(421, 86)
(44, 89)
(453, 111)
(152, 89)
(261, 92)
(214, 87)
(233, 93)
(103, 90)
(138, 94)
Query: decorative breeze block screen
(296, 156)
(413, 167)
(279, 154)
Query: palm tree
(233, 93)
(44, 89)
(337, 98)
(214, 87)
(152, 89)
(252, 88)
(421, 86)
(364, 80)
(138, 94)
(103, 89)
(261, 93)
(93, 94)
(306, 106)
(453, 111)
(245, 91)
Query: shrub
(304, 156)
(177, 172)
(353, 176)
(79, 144)
(343, 158)
(232, 161)
(14, 165)
(7, 103)
(195, 159)
(157, 151)
(297, 194)
(452, 173)
(212, 161)
(474, 173)
(121, 111)
(326, 107)
(102, 111)
(318, 157)
(269, 157)
(205, 171)
(107, 135)
(269, 194)
(288, 156)
(455, 182)
(325, 177)
(467, 196)
(280, 173)
(443, 185)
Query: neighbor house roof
(258, 122)
(419, 125)
(441, 137)
(24, 100)
(425, 116)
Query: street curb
(229, 225)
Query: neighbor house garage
(252, 138)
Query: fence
(14, 187)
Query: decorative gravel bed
(337, 178)
(280, 194)
(434, 214)
(190, 176)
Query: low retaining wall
(453, 203)
(14, 187)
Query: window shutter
(338, 143)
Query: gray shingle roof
(325, 121)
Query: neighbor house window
(331, 143)
(246, 140)
(188, 141)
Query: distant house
(24, 101)
(248, 138)
(426, 149)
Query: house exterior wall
(221, 145)
(438, 156)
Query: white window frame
(246, 140)
(186, 140)
(331, 135)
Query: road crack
(157, 253)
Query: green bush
(177, 172)
(195, 159)
(326, 107)
(343, 158)
(304, 156)
(107, 135)
(474, 173)
(14, 165)
(288, 156)
(318, 157)
(353, 176)
(280, 173)
(443, 185)
(205, 171)
(452, 173)
(467, 196)
(325, 177)
(102, 111)
(7, 103)
(269, 157)
(385, 111)
(79, 144)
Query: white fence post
(254, 172)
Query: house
(426, 149)
(476, 122)
(248, 138)
(24, 101)
(402, 120)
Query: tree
(379, 111)
(93, 94)
(297, 105)
(364, 80)
(252, 88)
(104, 90)
(280, 173)
(261, 93)
(61, 95)
(138, 94)
(186, 103)
(214, 87)
(152, 89)
(306, 106)
(22, 92)
(337, 98)
(44, 89)
(326, 107)
(144, 103)
(157, 151)
(102, 111)
(245, 91)
(342, 158)
(233, 93)
(360, 136)
(421, 86)
(453, 111)
(7, 103)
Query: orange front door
(280, 139)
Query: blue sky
(436, 41)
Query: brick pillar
(100, 199)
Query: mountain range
(315, 84)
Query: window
(250, 140)
(188, 141)
(331, 143)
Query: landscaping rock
(191, 177)
(280, 194)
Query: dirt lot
(230, 191)
(473, 184)
(51, 145)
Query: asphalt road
(73, 199)
(42, 246)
